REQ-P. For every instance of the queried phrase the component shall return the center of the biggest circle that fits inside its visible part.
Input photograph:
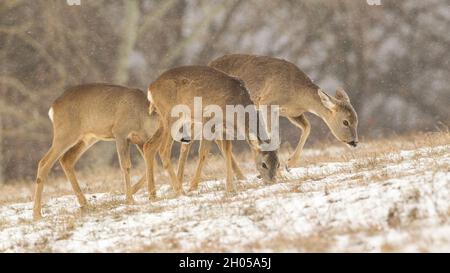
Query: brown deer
(272, 81)
(180, 86)
(86, 114)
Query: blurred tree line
(393, 59)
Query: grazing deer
(180, 86)
(86, 114)
(272, 81)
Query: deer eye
(346, 123)
(264, 165)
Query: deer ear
(327, 101)
(254, 143)
(342, 95)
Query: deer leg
(165, 154)
(123, 151)
(227, 154)
(236, 169)
(302, 123)
(184, 153)
(202, 154)
(150, 149)
(135, 188)
(68, 161)
(59, 147)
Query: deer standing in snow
(180, 86)
(272, 81)
(86, 114)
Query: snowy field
(395, 201)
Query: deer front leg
(236, 169)
(149, 150)
(123, 150)
(135, 188)
(184, 153)
(227, 154)
(302, 123)
(202, 154)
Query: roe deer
(272, 81)
(86, 114)
(180, 86)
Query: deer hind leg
(227, 154)
(236, 169)
(123, 151)
(302, 123)
(59, 147)
(68, 162)
(165, 154)
(184, 153)
(202, 154)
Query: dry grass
(368, 165)
(369, 156)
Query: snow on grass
(389, 202)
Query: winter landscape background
(391, 194)
(392, 59)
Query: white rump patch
(149, 96)
(51, 114)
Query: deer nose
(353, 143)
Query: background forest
(393, 58)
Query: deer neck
(315, 106)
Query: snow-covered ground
(388, 202)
